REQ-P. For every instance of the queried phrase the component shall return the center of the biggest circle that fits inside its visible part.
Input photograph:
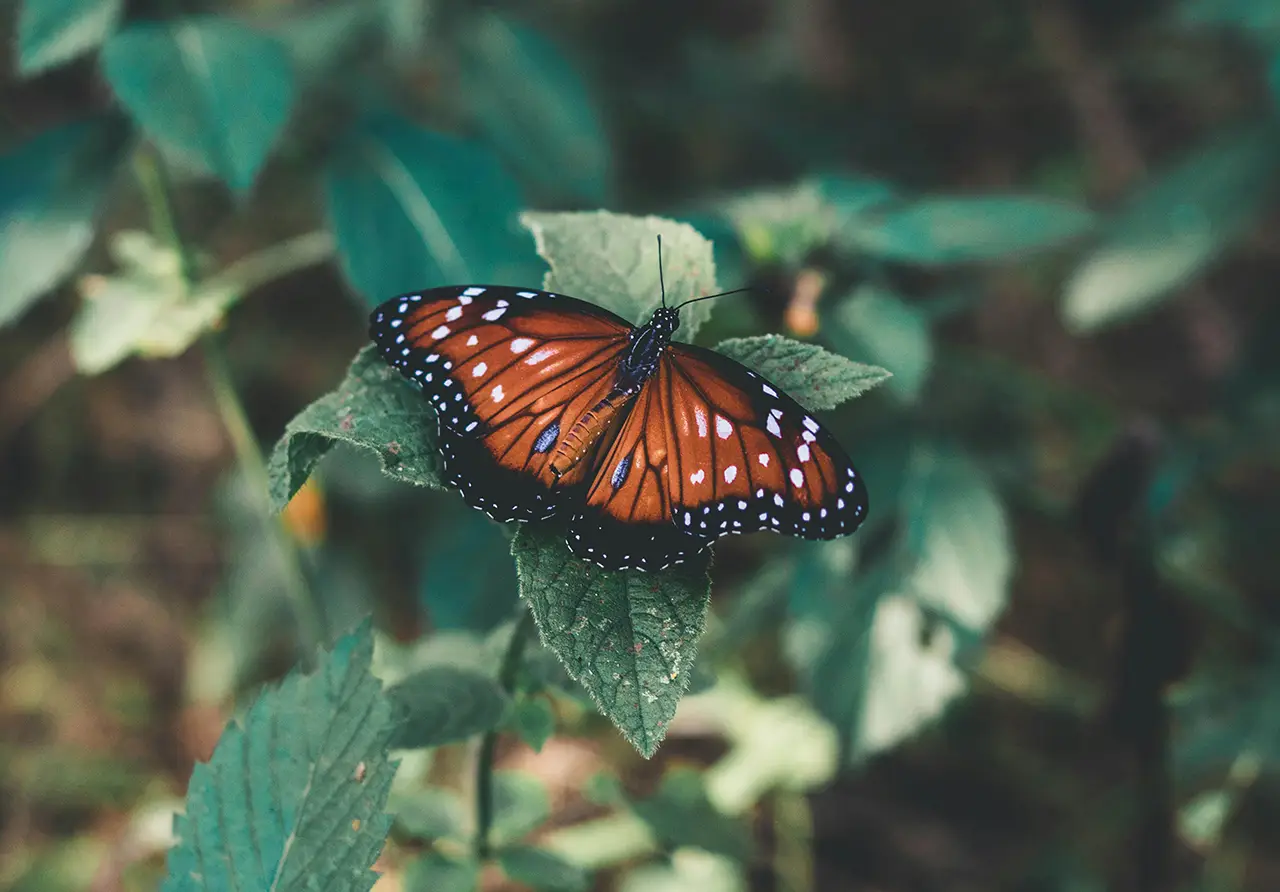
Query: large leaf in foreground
(293, 796)
(816, 378)
(628, 637)
(51, 32)
(209, 88)
(373, 408)
(612, 260)
(51, 188)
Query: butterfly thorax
(644, 351)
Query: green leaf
(226, 92)
(680, 814)
(629, 638)
(534, 108)
(883, 329)
(428, 813)
(373, 408)
(966, 230)
(815, 378)
(444, 704)
(781, 225)
(612, 260)
(851, 197)
(542, 870)
(51, 189)
(51, 32)
(534, 721)
(412, 208)
(462, 586)
(293, 796)
(1261, 17)
(960, 538)
(521, 805)
(436, 872)
(1176, 224)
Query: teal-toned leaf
(1176, 224)
(964, 230)
(534, 721)
(51, 189)
(1258, 17)
(210, 89)
(373, 408)
(1273, 78)
(532, 105)
(1224, 719)
(293, 796)
(520, 805)
(815, 378)
(542, 870)
(330, 40)
(612, 260)
(415, 209)
(437, 872)
(443, 704)
(51, 32)
(463, 586)
(880, 328)
(428, 813)
(628, 638)
(687, 869)
(680, 814)
(851, 197)
(959, 536)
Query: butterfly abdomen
(587, 431)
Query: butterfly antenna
(661, 284)
(694, 300)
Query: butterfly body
(649, 449)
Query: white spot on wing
(698, 476)
(811, 424)
(494, 315)
(701, 418)
(540, 355)
(724, 427)
(730, 473)
(803, 452)
(764, 459)
(797, 477)
(472, 292)
(440, 332)
(472, 341)
(519, 345)
(772, 424)
(481, 368)
(769, 390)
(454, 314)
(496, 394)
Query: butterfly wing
(710, 449)
(508, 371)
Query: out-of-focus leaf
(373, 408)
(687, 869)
(817, 379)
(520, 805)
(443, 704)
(534, 721)
(628, 637)
(51, 32)
(428, 813)
(328, 40)
(959, 536)
(680, 814)
(1176, 224)
(850, 196)
(1259, 17)
(612, 260)
(437, 872)
(542, 870)
(534, 107)
(294, 795)
(145, 309)
(880, 328)
(414, 209)
(462, 586)
(1222, 720)
(781, 225)
(1200, 821)
(212, 90)
(965, 230)
(51, 188)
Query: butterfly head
(665, 320)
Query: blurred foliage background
(1049, 660)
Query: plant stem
(489, 745)
(149, 169)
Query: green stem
(488, 747)
(150, 173)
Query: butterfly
(553, 407)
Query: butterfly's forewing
(508, 371)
